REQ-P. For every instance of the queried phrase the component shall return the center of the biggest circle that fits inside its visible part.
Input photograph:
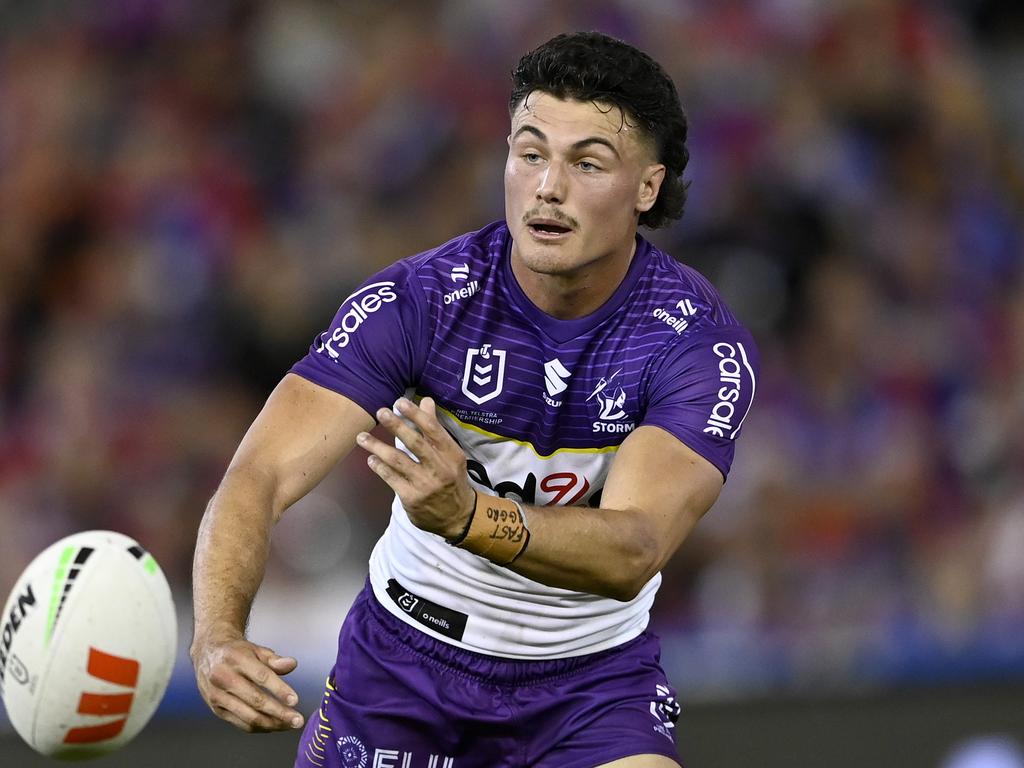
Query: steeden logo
(111, 669)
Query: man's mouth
(547, 227)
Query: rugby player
(564, 400)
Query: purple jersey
(540, 405)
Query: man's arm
(657, 490)
(302, 432)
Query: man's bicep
(669, 483)
(301, 433)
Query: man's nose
(552, 184)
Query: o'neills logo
(732, 362)
(462, 293)
(362, 304)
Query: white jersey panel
(508, 614)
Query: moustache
(554, 215)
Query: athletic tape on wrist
(496, 530)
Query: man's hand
(434, 488)
(241, 683)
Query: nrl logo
(484, 373)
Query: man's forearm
(608, 552)
(231, 553)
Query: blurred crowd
(189, 189)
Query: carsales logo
(732, 362)
(362, 304)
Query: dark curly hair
(590, 66)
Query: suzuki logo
(460, 273)
(555, 376)
(484, 374)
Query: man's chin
(546, 260)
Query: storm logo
(612, 415)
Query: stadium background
(189, 189)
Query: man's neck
(573, 295)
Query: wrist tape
(496, 530)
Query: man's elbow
(636, 568)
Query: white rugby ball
(87, 645)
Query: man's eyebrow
(530, 129)
(581, 144)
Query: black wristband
(465, 531)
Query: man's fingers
(278, 665)
(259, 701)
(242, 715)
(241, 674)
(398, 461)
(409, 434)
(229, 716)
(424, 416)
(396, 481)
(283, 665)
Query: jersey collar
(564, 330)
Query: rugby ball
(87, 645)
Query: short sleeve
(702, 391)
(376, 346)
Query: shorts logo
(353, 753)
(407, 602)
(484, 375)
(665, 709)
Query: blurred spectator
(189, 189)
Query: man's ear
(650, 185)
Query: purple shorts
(397, 698)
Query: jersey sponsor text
(732, 362)
(363, 303)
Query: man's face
(578, 175)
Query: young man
(571, 400)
